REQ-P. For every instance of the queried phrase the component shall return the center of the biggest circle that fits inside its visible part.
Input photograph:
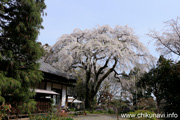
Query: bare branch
(169, 41)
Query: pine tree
(20, 22)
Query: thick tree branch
(103, 67)
(94, 64)
(105, 75)
(115, 75)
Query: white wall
(63, 102)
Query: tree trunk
(158, 104)
(117, 113)
(87, 100)
(158, 107)
(91, 92)
(88, 93)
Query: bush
(146, 103)
(138, 115)
(110, 111)
(49, 116)
(4, 110)
(68, 119)
(102, 111)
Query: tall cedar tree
(20, 22)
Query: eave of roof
(45, 67)
(46, 92)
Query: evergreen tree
(20, 22)
(164, 82)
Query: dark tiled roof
(45, 67)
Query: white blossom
(99, 52)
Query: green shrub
(101, 111)
(153, 110)
(4, 111)
(68, 119)
(143, 115)
(110, 111)
(49, 116)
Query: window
(57, 98)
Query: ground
(97, 117)
(90, 117)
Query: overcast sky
(63, 16)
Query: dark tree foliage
(171, 87)
(20, 22)
(152, 84)
(79, 90)
(164, 82)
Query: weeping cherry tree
(99, 52)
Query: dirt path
(97, 117)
